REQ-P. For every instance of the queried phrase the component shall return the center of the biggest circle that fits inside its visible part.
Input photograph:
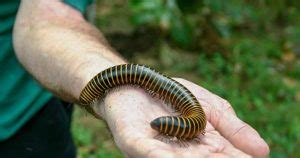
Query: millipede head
(155, 124)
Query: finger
(234, 152)
(241, 134)
(220, 146)
(236, 131)
(218, 155)
(206, 96)
(145, 147)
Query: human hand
(129, 111)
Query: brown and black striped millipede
(188, 125)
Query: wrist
(88, 69)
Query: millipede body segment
(188, 125)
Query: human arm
(63, 52)
(59, 48)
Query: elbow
(23, 32)
(20, 39)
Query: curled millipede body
(188, 125)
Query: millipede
(188, 125)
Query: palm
(129, 113)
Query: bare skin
(63, 52)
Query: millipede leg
(174, 111)
(152, 94)
(161, 138)
(197, 140)
(157, 136)
(203, 132)
(182, 142)
(167, 103)
(164, 138)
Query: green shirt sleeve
(80, 5)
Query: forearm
(59, 48)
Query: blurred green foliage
(245, 51)
(92, 137)
(163, 14)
